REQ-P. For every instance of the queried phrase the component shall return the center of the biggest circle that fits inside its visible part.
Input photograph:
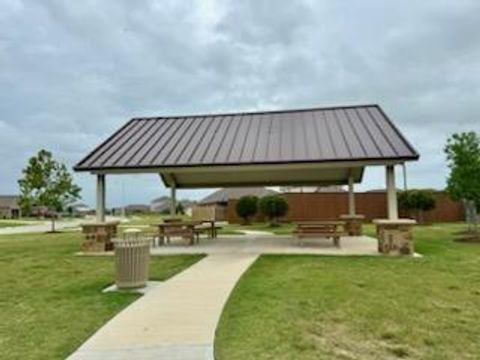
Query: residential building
(9, 207)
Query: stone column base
(98, 236)
(353, 224)
(395, 236)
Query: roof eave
(156, 168)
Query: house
(80, 209)
(137, 209)
(218, 201)
(222, 196)
(162, 205)
(9, 207)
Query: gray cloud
(72, 72)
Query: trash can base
(130, 286)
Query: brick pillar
(98, 236)
(395, 237)
(353, 224)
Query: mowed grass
(51, 300)
(319, 307)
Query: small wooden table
(315, 229)
(184, 229)
(213, 229)
(207, 227)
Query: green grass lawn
(51, 300)
(319, 307)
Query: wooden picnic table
(211, 228)
(187, 229)
(316, 229)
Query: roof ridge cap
(260, 112)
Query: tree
(273, 207)
(246, 207)
(463, 158)
(418, 201)
(180, 209)
(47, 183)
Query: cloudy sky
(71, 72)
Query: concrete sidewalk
(45, 226)
(177, 320)
(39, 227)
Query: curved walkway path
(176, 320)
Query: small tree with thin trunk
(246, 208)
(47, 183)
(273, 207)
(463, 182)
(417, 201)
(180, 210)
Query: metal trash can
(132, 255)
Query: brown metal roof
(345, 133)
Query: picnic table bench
(320, 229)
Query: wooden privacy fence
(373, 205)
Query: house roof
(163, 203)
(223, 195)
(137, 207)
(348, 137)
(9, 201)
(331, 188)
(160, 199)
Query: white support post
(351, 196)
(391, 193)
(173, 200)
(100, 211)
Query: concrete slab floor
(272, 244)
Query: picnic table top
(321, 222)
(185, 223)
(178, 223)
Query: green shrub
(180, 209)
(246, 207)
(417, 201)
(273, 207)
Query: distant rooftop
(223, 195)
